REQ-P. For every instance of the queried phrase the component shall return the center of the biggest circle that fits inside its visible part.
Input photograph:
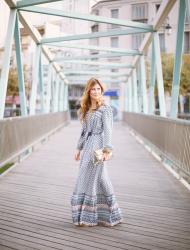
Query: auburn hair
(86, 101)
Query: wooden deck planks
(35, 196)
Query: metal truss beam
(48, 90)
(178, 59)
(61, 97)
(56, 93)
(41, 84)
(126, 98)
(159, 74)
(103, 77)
(96, 48)
(92, 35)
(33, 32)
(134, 91)
(96, 67)
(37, 37)
(72, 73)
(83, 82)
(143, 84)
(123, 65)
(129, 83)
(152, 81)
(6, 61)
(100, 67)
(187, 2)
(26, 3)
(35, 80)
(22, 94)
(85, 57)
(86, 17)
(65, 106)
(161, 15)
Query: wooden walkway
(35, 196)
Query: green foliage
(185, 75)
(12, 89)
(5, 167)
(167, 67)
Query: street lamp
(168, 29)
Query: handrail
(170, 136)
(21, 133)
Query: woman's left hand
(106, 156)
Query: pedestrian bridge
(35, 211)
(35, 194)
(150, 170)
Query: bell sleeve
(81, 139)
(107, 120)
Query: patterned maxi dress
(93, 201)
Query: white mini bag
(98, 156)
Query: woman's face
(95, 92)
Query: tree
(167, 66)
(13, 88)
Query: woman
(93, 201)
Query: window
(114, 71)
(136, 40)
(94, 41)
(96, 12)
(162, 42)
(114, 42)
(140, 12)
(186, 47)
(157, 7)
(114, 14)
(95, 28)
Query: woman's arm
(81, 139)
(107, 119)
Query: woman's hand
(106, 156)
(77, 155)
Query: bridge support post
(66, 100)
(6, 61)
(35, 76)
(22, 94)
(126, 97)
(134, 84)
(152, 81)
(48, 90)
(187, 2)
(41, 82)
(130, 94)
(159, 74)
(178, 59)
(53, 89)
(143, 84)
(56, 93)
(61, 96)
(139, 89)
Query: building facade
(139, 11)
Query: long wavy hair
(86, 101)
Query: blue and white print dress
(93, 201)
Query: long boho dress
(93, 201)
